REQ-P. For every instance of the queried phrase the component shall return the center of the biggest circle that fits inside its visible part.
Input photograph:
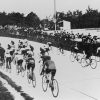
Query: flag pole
(55, 14)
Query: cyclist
(88, 50)
(20, 44)
(12, 44)
(49, 67)
(2, 53)
(30, 63)
(49, 45)
(44, 50)
(19, 60)
(75, 48)
(31, 50)
(8, 57)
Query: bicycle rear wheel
(28, 77)
(83, 62)
(44, 83)
(93, 63)
(34, 80)
(55, 88)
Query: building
(65, 25)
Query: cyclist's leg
(19, 63)
(53, 73)
(32, 68)
(47, 71)
(6, 62)
(10, 60)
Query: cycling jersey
(45, 57)
(50, 64)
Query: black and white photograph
(49, 49)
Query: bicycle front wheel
(93, 63)
(34, 80)
(44, 83)
(28, 77)
(55, 88)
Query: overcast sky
(45, 8)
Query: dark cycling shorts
(24, 52)
(53, 71)
(2, 56)
(19, 62)
(8, 59)
(12, 52)
(30, 65)
(45, 58)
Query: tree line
(78, 19)
(19, 19)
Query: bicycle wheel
(83, 62)
(72, 58)
(93, 63)
(34, 80)
(55, 88)
(44, 83)
(28, 77)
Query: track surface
(75, 82)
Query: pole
(55, 14)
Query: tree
(16, 18)
(32, 20)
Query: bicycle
(88, 62)
(53, 84)
(31, 77)
(74, 56)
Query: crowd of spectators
(62, 39)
